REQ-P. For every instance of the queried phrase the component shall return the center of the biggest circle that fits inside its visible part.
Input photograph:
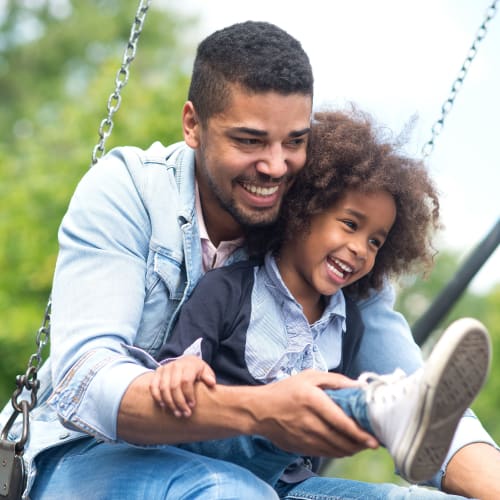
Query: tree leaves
(54, 85)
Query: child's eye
(350, 224)
(375, 242)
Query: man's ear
(190, 125)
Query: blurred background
(397, 60)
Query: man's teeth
(338, 264)
(261, 191)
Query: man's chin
(258, 219)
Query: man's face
(247, 156)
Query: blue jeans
(268, 462)
(262, 457)
(332, 488)
(92, 470)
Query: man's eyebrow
(263, 133)
(248, 131)
(299, 133)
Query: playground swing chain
(29, 380)
(437, 127)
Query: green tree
(57, 69)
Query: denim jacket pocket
(166, 285)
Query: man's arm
(474, 471)
(294, 413)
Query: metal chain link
(29, 380)
(115, 99)
(437, 127)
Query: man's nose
(273, 163)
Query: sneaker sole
(454, 373)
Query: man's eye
(297, 142)
(247, 141)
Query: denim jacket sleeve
(388, 344)
(98, 296)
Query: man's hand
(172, 385)
(298, 416)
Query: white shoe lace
(374, 382)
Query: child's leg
(415, 417)
(254, 453)
(352, 400)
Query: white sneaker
(415, 417)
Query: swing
(12, 473)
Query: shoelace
(378, 387)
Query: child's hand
(173, 383)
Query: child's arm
(173, 383)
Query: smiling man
(246, 157)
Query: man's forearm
(220, 412)
(294, 413)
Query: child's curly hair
(348, 152)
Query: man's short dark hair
(258, 56)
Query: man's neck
(216, 223)
(221, 227)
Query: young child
(360, 212)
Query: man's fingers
(327, 380)
(317, 426)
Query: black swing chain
(437, 127)
(29, 380)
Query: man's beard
(250, 219)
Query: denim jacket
(130, 255)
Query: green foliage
(57, 70)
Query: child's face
(341, 246)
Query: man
(141, 229)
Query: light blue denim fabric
(268, 462)
(130, 255)
(263, 458)
(326, 488)
(92, 470)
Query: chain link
(437, 127)
(115, 99)
(29, 380)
